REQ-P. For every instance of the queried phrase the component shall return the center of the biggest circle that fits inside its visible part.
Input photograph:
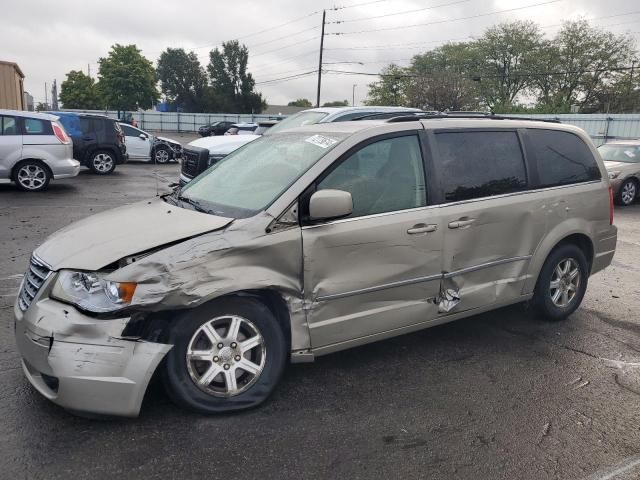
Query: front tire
(228, 355)
(31, 176)
(562, 282)
(162, 154)
(628, 192)
(102, 162)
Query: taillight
(610, 205)
(60, 134)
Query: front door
(138, 143)
(492, 227)
(378, 269)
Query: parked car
(34, 148)
(241, 129)
(202, 153)
(215, 128)
(98, 141)
(622, 160)
(144, 146)
(335, 114)
(307, 242)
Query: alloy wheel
(162, 156)
(31, 177)
(225, 356)
(628, 192)
(103, 162)
(565, 282)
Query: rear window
(479, 164)
(298, 120)
(561, 158)
(36, 126)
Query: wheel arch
(33, 159)
(577, 234)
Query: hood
(168, 140)
(223, 144)
(99, 240)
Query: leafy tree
(589, 59)
(441, 81)
(232, 86)
(505, 61)
(391, 89)
(300, 102)
(127, 79)
(336, 103)
(80, 91)
(42, 107)
(182, 79)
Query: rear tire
(627, 193)
(205, 370)
(102, 162)
(562, 282)
(31, 175)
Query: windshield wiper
(196, 205)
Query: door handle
(422, 228)
(461, 223)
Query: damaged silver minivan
(306, 242)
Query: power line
(269, 65)
(281, 25)
(402, 13)
(357, 5)
(449, 20)
(527, 74)
(289, 77)
(254, 55)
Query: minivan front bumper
(80, 362)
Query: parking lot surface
(503, 395)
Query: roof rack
(474, 115)
(385, 115)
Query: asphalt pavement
(503, 395)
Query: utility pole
(353, 95)
(324, 17)
(89, 70)
(54, 95)
(46, 101)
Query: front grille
(190, 163)
(33, 280)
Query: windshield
(620, 153)
(298, 120)
(251, 178)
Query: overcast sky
(47, 39)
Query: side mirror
(142, 136)
(326, 204)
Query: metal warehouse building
(11, 86)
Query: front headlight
(92, 292)
(613, 175)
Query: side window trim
(303, 199)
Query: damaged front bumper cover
(81, 363)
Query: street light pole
(353, 95)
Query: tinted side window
(479, 164)
(85, 125)
(384, 176)
(35, 126)
(561, 158)
(8, 126)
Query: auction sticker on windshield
(321, 141)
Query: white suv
(34, 148)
